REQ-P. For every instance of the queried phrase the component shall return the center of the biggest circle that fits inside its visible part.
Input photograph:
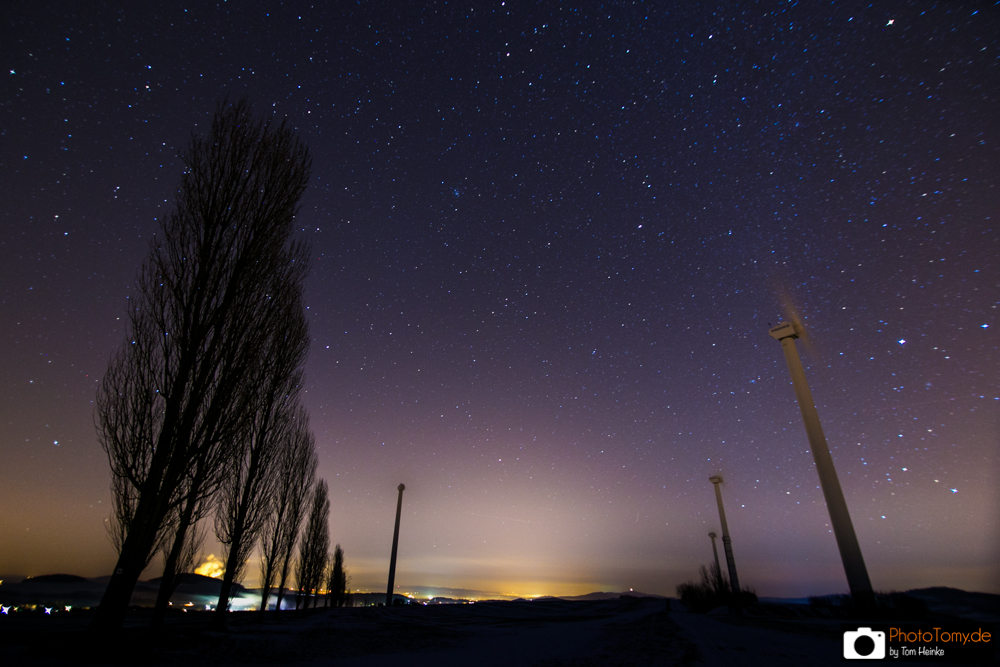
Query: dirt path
(544, 634)
(725, 642)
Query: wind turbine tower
(715, 551)
(395, 543)
(727, 544)
(840, 518)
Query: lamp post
(727, 544)
(395, 543)
(840, 518)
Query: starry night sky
(548, 240)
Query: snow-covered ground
(623, 631)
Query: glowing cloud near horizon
(212, 567)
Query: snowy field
(626, 631)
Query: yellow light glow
(212, 567)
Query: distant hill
(956, 602)
(432, 592)
(76, 591)
(56, 579)
(187, 578)
(198, 584)
(609, 596)
(982, 607)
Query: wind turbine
(727, 543)
(840, 518)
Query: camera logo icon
(864, 644)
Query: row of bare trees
(316, 569)
(199, 411)
(296, 473)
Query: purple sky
(547, 242)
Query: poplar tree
(295, 474)
(337, 580)
(314, 551)
(178, 391)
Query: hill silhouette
(56, 579)
(198, 584)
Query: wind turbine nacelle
(783, 330)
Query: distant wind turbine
(727, 543)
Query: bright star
(48, 610)
(891, 21)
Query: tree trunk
(168, 582)
(114, 603)
(279, 594)
(222, 608)
(131, 562)
(265, 595)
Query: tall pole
(715, 552)
(727, 544)
(395, 543)
(840, 518)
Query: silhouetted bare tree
(314, 550)
(337, 579)
(246, 497)
(123, 501)
(295, 475)
(179, 553)
(125, 420)
(188, 558)
(178, 389)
